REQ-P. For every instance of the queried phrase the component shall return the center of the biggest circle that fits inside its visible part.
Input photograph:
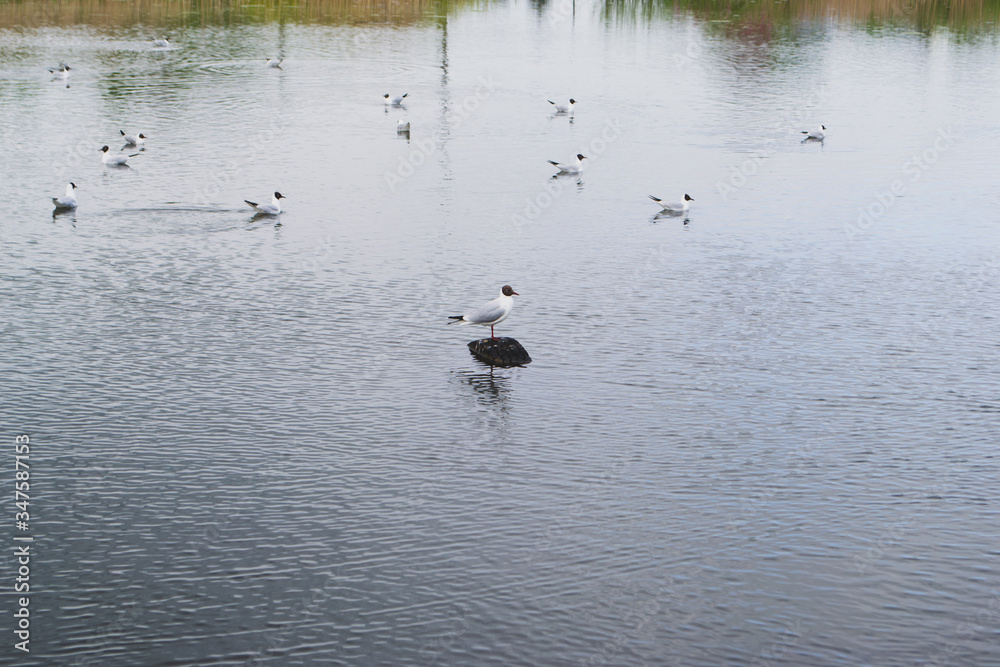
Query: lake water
(766, 435)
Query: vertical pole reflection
(444, 131)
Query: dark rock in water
(500, 352)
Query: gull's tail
(656, 199)
(553, 163)
(254, 204)
(455, 318)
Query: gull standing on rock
(490, 313)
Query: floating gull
(564, 108)
(68, 200)
(674, 207)
(274, 208)
(574, 168)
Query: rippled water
(765, 436)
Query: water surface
(765, 436)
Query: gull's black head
(73, 184)
(104, 149)
(121, 132)
(278, 195)
(688, 198)
(386, 96)
(509, 291)
(581, 156)
(142, 136)
(572, 101)
(821, 126)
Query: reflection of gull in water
(492, 390)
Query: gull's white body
(68, 200)
(137, 139)
(114, 159)
(161, 43)
(274, 208)
(570, 168)
(815, 135)
(674, 206)
(61, 71)
(275, 62)
(492, 312)
(394, 101)
(563, 108)
(403, 126)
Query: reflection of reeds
(958, 15)
(172, 13)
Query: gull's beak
(515, 294)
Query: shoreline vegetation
(959, 16)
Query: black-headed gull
(68, 200)
(161, 43)
(490, 313)
(274, 208)
(815, 135)
(114, 159)
(403, 126)
(275, 62)
(60, 71)
(133, 139)
(564, 108)
(574, 168)
(394, 101)
(674, 206)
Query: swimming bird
(674, 207)
(403, 126)
(564, 108)
(68, 200)
(395, 101)
(574, 168)
(274, 208)
(275, 63)
(162, 43)
(114, 159)
(815, 135)
(60, 70)
(133, 139)
(490, 313)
